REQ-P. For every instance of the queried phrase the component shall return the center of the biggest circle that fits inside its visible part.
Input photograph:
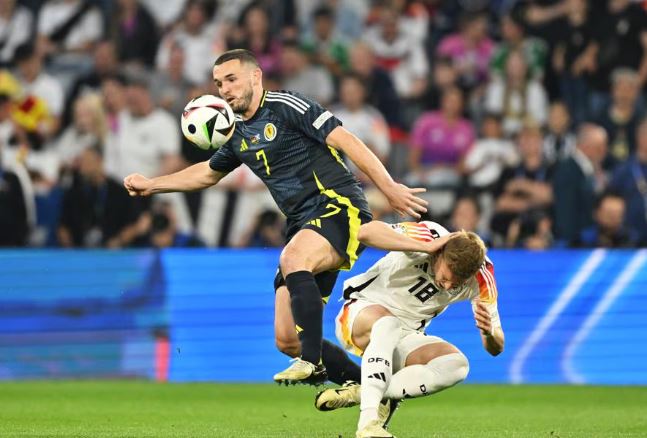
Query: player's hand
(483, 319)
(437, 244)
(138, 185)
(404, 201)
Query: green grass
(144, 409)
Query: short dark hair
(243, 55)
(323, 11)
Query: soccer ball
(208, 122)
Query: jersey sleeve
(487, 292)
(425, 231)
(303, 114)
(224, 160)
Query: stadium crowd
(525, 120)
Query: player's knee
(457, 368)
(289, 347)
(290, 261)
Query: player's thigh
(418, 349)
(363, 323)
(285, 333)
(309, 251)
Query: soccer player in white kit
(386, 312)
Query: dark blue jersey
(284, 143)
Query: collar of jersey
(258, 110)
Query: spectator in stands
(621, 118)
(608, 231)
(531, 230)
(559, 140)
(444, 75)
(256, 36)
(68, 29)
(14, 227)
(89, 128)
(381, 91)
(362, 119)
(620, 40)
(524, 187)
(489, 156)
(105, 64)
(470, 49)
(532, 50)
(466, 215)
(201, 40)
(268, 230)
(574, 58)
(400, 53)
(89, 217)
(297, 74)
(164, 232)
(281, 16)
(578, 179)
(167, 13)
(147, 139)
(36, 83)
(439, 142)
(170, 88)
(113, 92)
(630, 181)
(16, 27)
(135, 33)
(517, 95)
(414, 16)
(324, 45)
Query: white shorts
(410, 340)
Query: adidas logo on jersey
(243, 145)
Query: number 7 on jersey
(261, 154)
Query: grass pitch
(146, 409)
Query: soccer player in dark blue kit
(293, 145)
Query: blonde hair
(94, 103)
(464, 254)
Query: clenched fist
(138, 185)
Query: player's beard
(245, 102)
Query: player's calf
(440, 373)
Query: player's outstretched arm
(492, 336)
(196, 177)
(381, 235)
(402, 198)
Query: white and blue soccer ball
(208, 122)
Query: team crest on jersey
(255, 138)
(269, 132)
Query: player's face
(235, 82)
(443, 276)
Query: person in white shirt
(200, 39)
(69, 27)
(15, 28)
(387, 309)
(363, 120)
(490, 154)
(400, 52)
(147, 137)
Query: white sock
(377, 365)
(419, 380)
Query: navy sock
(307, 310)
(340, 367)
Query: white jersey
(403, 282)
